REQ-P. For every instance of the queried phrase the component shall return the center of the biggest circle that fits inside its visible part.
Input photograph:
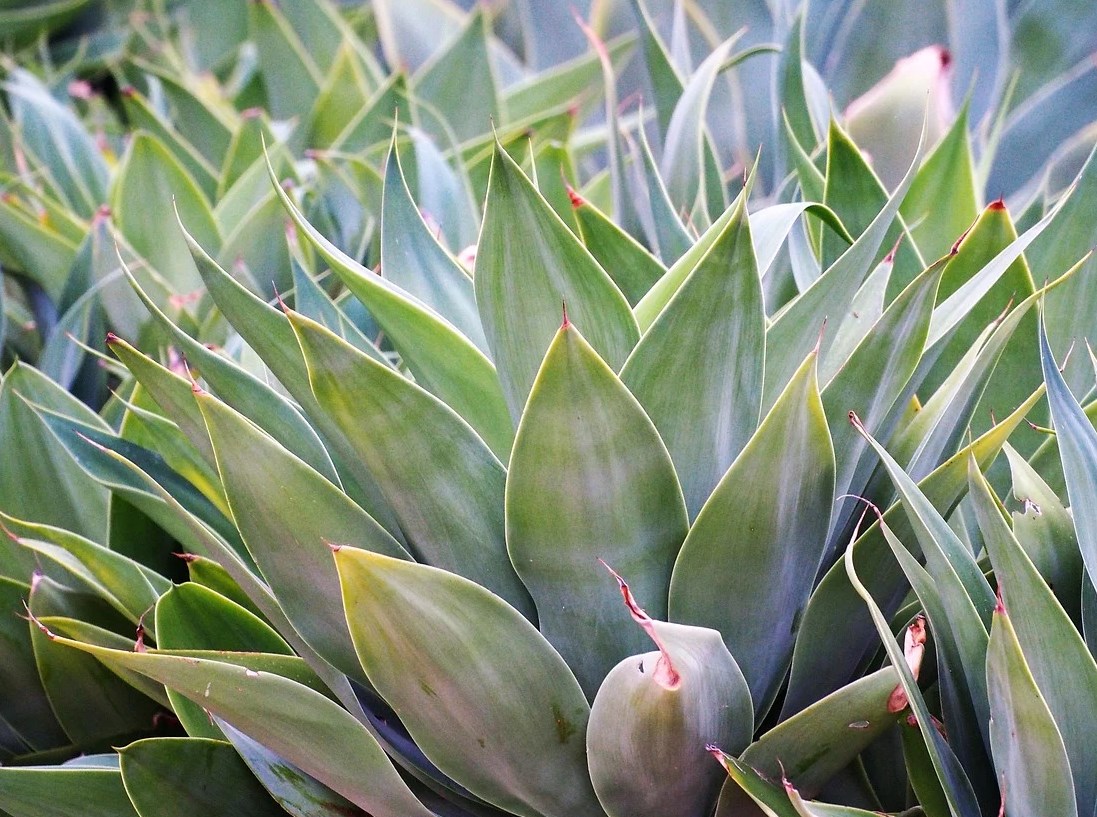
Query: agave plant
(397, 491)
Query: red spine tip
(998, 204)
(566, 323)
(946, 57)
(577, 201)
(111, 337)
(128, 91)
(999, 605)
(186, 557)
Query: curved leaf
(442, 359)
(290, 719)
(442, 482)
(414, 260)
(655, 714)
(176, 777)
(287, 513)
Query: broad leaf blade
(480, 690)
(589, 478)
(777, 497)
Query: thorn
(1066, 357)
(334, 547)
(718, 753)
(566, 323)
(890, 257)
(187, 557)
(31, 618)
(112, 338)
(999, 604)
(102, 214)
(577, 201)
(1040, 429)
(819, 340)
(998, 204)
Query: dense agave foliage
(403, 420)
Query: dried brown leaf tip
(665, 673)
(914, 649)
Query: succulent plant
(553, 506)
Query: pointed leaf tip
(665, 673)
(566, 323)
(998, 204)
(577, 200)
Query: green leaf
(267, 331)
(1045, 531)
(1056, 656)
(28, 718)
(818, 742)
(143, 115)
(234, 384)
(442, 359)
(589, 478)
(1029, 755)
(128, 586)
(1070, 236)
(943, 200)
(564, 82)
(51, 133)
(480, 690)
(652, 719)
(296, 792)
(74, 791)
(443, 483)
(793, 332)
(459, 81)
(444, 191)
(301, 725)
(977, 253)
(289, 539)
(836, 637)
(527, 263)
(91, 704)
(344, 92)
(374, 122)
(39, 481)
(685, 158)
(703, 359)
(42, 254)
(956, 786)
(414, 260)
(191, 616)
(1077, 440)
(624, 259)
(291, 77)
(665, 232)
(174, 777)
(870, 383)
(151, 186)
(857, 195)
(777, 496)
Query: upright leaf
(589, 478)
(1029, 756)
(703, 359)
(749, 563)
(528, 262)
